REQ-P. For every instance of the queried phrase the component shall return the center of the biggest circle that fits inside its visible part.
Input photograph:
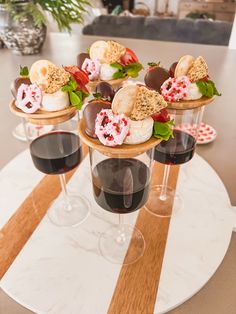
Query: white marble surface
(61, 271)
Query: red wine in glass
(177, 150)
(56, 152)
(121, 185)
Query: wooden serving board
(42, 117)
(137, 284)
(16, 232)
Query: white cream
(55, 102)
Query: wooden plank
(137, 285)
(16, 232)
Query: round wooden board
(114, 83)
(122, 151)
(190, 104)
(44, 117)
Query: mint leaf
(97, 95)
(133, 69)
(118, 75)
(202, 87)
(210, 91)
(79, 94)
(67, 88)
(117, 65)
(24, 71)
(75, 100)
(73, 84)
(207, 88)
(153, 64)
(214, 88)
(76, 96)
(163, 130)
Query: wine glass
(176, 151)
(26, 131)
(56, 153)
(121, 186)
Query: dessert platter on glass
(49, 95)
(187, 88)
(109, 61)
(120, 135)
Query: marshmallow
(139, 131)
(56, 101)
(106, 72)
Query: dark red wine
(56, 153)
(121, 185)
(177, 150)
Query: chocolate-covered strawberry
(155, 76)
(106, 90)
(172, 69)
(90, 113)
(22, 79)
(81, 57)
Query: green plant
(201, 15)
(64, 12)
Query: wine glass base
(77, 213)
(165, 206)
(122, 244)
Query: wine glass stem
(121, 237)
(23, 121)
(165, 182)
(64, 192)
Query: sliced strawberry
(129, 57)
(162, 116)
(79, 76)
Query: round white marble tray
(60, 270)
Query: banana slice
(98, 51)
(124, 100)
(39, 72)
(140, 131)
(184, 65)
(55, 102)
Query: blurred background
(24, 24)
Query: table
(62, 49)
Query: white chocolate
(56, 101)
(139, 131)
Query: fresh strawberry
(161, 116)
(129, 57)
(79, 76)
(206, 78)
